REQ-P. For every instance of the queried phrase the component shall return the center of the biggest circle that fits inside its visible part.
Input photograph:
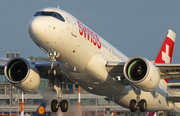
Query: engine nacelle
(22, 74)
(141, 73)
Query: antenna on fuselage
(58, 7)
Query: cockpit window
(53, 14)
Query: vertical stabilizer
(41, 109)
(151, 114)
(166, 51)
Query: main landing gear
(135, 104)
(55, 104)
(63, 105)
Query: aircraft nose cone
(35, 27)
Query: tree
(39, 58)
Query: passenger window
(109, 50)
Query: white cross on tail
(165, 55)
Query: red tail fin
(166, 51)
(151, 114)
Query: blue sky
(136, 28)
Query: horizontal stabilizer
(174, 98)
(167, 70)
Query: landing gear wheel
(132, 105)
(143, 105)
(64, 105)
(54, 107)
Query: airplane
(41, 109)
(79, 55)
(151, 114)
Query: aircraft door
(74, 26)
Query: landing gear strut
(55, 104)
(141, 104)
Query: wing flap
(168, 70)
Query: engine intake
(17, 70)
(22, 74)
(136, 69)
(141, 73)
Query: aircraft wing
(115, 68)
(174, 92)
(166, 70)
(2, 69)
(2, 65)
(43, 68)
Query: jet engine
(141, 73)
(22, 74)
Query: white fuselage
(83, 56)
